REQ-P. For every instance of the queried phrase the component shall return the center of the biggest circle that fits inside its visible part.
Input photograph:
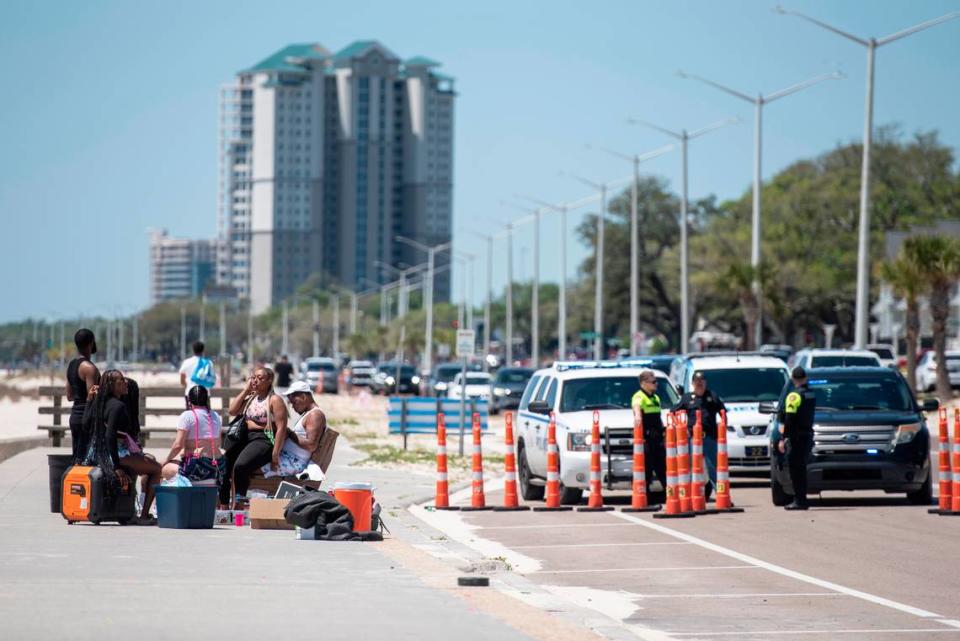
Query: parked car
(886, 352)
(385, 380)
(441, 377)
(819, 357)
(507, 387)
(360, 373)
(926, 371)
(742, 381)
(781, 351)
(573, 391)
(316, 369)
(477, 385)
(869, 434)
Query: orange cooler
(358, 498)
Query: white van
(742, 381)
(572, 391)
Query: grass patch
(364, 436)
(343, 421)
(380, 453)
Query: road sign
(443, 350)
(588, 336)
(466, 343)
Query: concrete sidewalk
(113, 582)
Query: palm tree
(904, 277)
(737, 280)
(937, 259)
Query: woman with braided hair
(196, 452)
(111, 445)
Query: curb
(10, 447)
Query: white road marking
(543, 526)
(826, 633)
(951, 622)
(737, 596)
(594, 545)
(827, 585)
(677, 569)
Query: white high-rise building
(180, 267)
(324, 159)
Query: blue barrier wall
(421, 414)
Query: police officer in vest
(703, 399)
(796, 435)
(646, 409)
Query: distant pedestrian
(197, 370)
(796, 434)
(646, 409)
(82, 379)
(284, 372)
(706, 401)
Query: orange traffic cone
(510, 501)
(477, 500)
(724, 504)
(672, 508)
(638, 502)
(955, 497)
(552, 503)
(943, 471)
(683, 462)
(595, 503)
(698, 498)
(442, 502)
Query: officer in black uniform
(796, 435)
(701, 398)
(646, 409)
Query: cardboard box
(267, 514)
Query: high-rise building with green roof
(325, 157)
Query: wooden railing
(60, 409)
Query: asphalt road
(855, 566)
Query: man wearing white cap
(303, 439)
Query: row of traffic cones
(686, 476)
(949, 501)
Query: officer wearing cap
(646, 409)
(706, 401)
(796, 434)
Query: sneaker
(797, 506)
(144, 520)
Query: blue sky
(108, 118)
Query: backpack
(203, 373)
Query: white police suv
(742, 381)
(573, 391)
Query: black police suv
(870, 433)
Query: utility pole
(203, 317)
(863, 237)
(183, 332)
(285, 335)
(223, 329)
(316, 328)
(250, 356)
(353, 312)
(135, 357)
(336, 328)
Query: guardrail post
(57, 437)
(403, 420)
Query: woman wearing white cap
(303, 439)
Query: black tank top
(78, 386)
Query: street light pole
(863, 237)
(428, 293)
(183, 331)
(316, 328)
(635, 160)
(685, 137)
(223, 329)
(758, 102)
(508, 351)
(285, 331)
(336, 327)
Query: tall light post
(336, 327)
(863, 238)
(534, 217)
(758, 102)
(467, 284)
(183, 331)
(598, 266)
(223, 329)
(428, 294)
(489, 295)
(285, 330)
(316, 328)
(635, 160)
(685, 137)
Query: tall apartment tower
(324, 159)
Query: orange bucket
(358, 498)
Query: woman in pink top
(196, 450)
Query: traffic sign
(466, 343)
(588, 336)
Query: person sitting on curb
(303, 440)
(203, 463)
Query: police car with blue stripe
(572, 391)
